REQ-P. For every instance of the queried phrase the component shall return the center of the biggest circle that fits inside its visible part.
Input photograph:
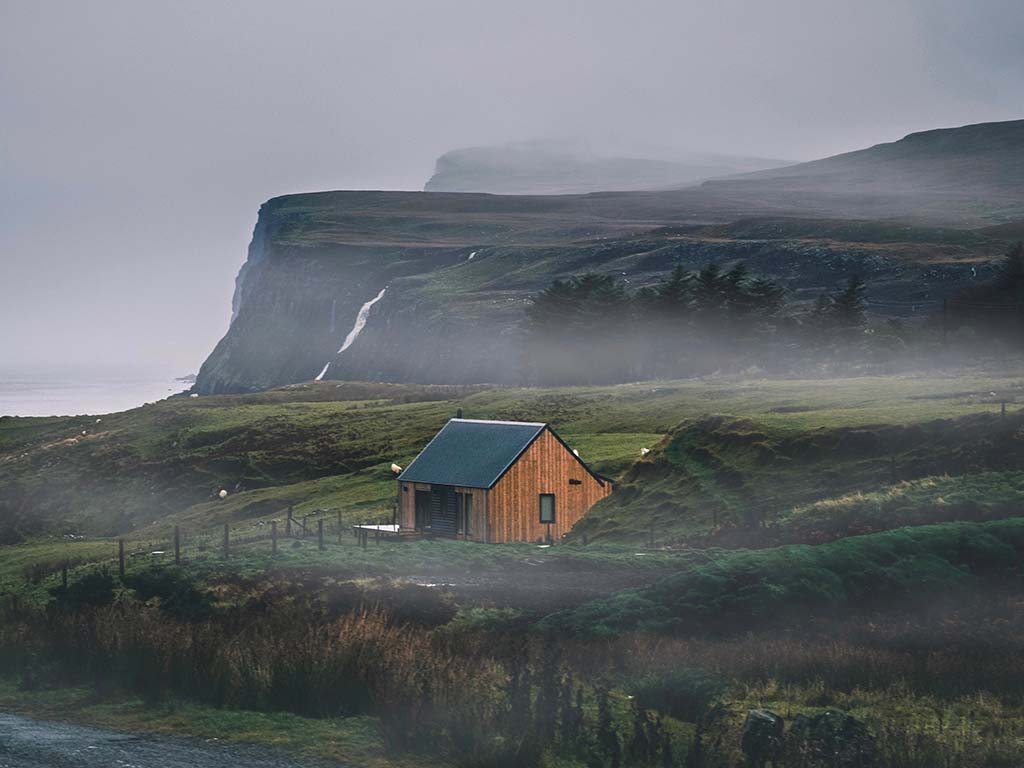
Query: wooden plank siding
(407, 508)
(547, 466)
(407, 503)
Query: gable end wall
(545, 467)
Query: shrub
(178, 596)
(684, 693)
(93, 590)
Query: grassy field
(748, 463)
(327, 446)
(801, 530)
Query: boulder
(833, 738)
(762, 738)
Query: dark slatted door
(422, 510)
(444, 508)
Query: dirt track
(27, 743)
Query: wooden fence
(325, 529)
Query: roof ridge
(500, 421)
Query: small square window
(547, 507)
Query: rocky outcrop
(830, 739)
(761, 740)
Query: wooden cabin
(497, 481)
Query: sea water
(73, 396)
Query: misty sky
(139, 138)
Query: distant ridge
(971, 171)
(543, 168)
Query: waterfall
(357, 328)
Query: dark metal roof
(472, 453)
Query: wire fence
(182, 544)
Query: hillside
(783, 445)
(544, 168)
(450, 274)
(958, 173)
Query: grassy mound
(745, 587)
(974, 497)
(744, 482)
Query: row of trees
(593, 329)
(995, 307)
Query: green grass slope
(746, 482)
(327, 447)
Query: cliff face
(315, 260)
(459, 269)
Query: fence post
(945, 320)
(120, 558)
(288, 524)
(364, 537)
(320, 534)
(226, 541)
(273, 538)
(305, 526)
(177, 545)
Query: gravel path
(27, 743)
